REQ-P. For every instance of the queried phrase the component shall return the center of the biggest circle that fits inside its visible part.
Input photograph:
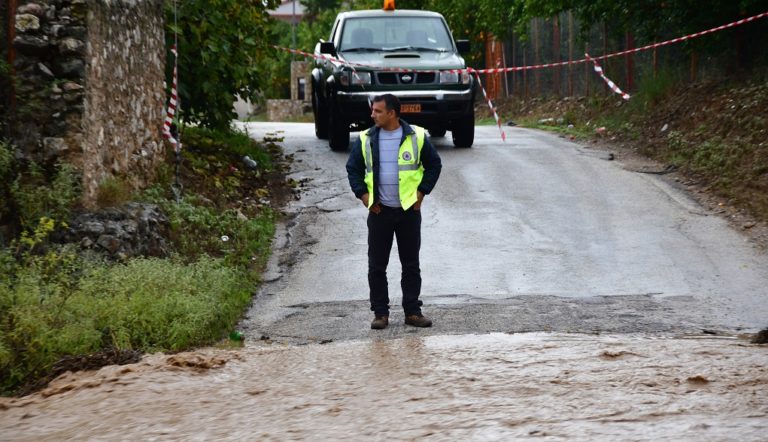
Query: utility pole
(293, 28)
(11, 51)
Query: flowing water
(469, 387)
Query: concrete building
(291, 11)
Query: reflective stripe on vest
(410, 173)
(369, 155)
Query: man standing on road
(391, 167)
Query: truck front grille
(387, 77)
(405, 78)
(425, 78)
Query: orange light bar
(389, 5)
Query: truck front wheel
(338, 132)
(321, 119)
(437, 132)
(464, 131)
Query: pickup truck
(410, 54)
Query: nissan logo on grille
(406, 78)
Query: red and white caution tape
(476, 72)
(173, 103)
(686, 37)
(307, 54)
(628, 51)
(607, 80)
(545, 65)
(363, 65)
(490, 105)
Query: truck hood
(405, 59)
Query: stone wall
(287, 110)
(301, 70)
(90, 86)
(284, 110)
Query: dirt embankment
(709, 137)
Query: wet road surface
(468, 387)
(536, 235)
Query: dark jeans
(405, 225)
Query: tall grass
(85, 307)
(198, 230)
(232, 142)
(652, 89)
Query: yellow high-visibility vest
(410, 170)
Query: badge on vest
(406, 156)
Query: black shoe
(380, 322)
(418, 321)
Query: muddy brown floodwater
(469, 387)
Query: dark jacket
(356, 163)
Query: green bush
(38, 196)
(6, 159)
(7, 175)
(221, 42)
(29, 194)
(7, 84)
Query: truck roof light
(389, 5)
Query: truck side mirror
(326, 47)
(462, 46)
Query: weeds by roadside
(58, 305)
(57, 302)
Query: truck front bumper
(439, 108)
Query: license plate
(410, 108)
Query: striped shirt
(389, 150)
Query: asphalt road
(533, 234)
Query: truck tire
(464, 131)
(338, 133)
(321, 119)
(437, 132)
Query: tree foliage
(220, 44)
(5, 78)
(313, 8)
(277, 66)
(224, 44)
(646, 18)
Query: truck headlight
(355, 78)
(453, 77)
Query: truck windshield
(395, 33)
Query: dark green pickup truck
(410, 54)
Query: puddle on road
(485, 387)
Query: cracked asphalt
(535, 234)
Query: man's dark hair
(390, 102)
